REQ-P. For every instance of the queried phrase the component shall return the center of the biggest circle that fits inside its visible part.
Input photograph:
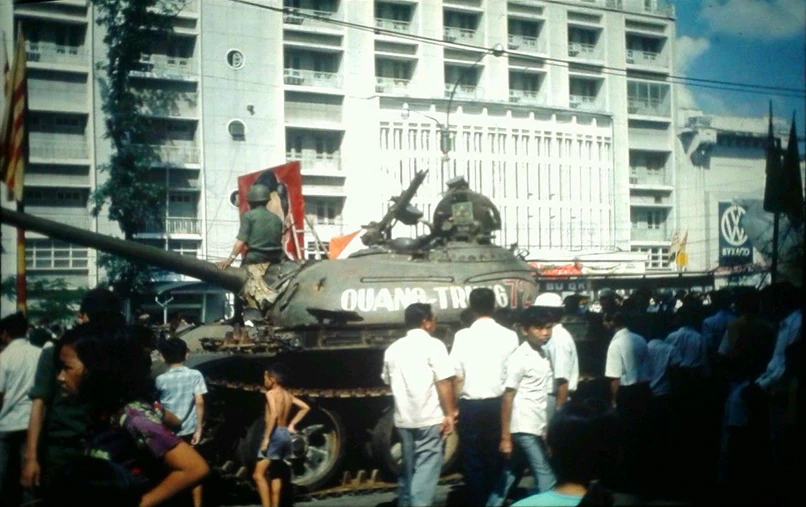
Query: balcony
(58, 151)
(526, 44)
(584, 51)
(47, 97)
(459, 35)
(46, 52)
(176, 154)
(393, 25)
(648, 107)
(80, 221)
(391, 85)
(646, 58)
(527, 97)
(167, 67)
(171, 105)
(324, 164)
(644, 234)
(174, 225)
(464, 92)
(644, 177)
(305, 77)
(309, 18)
(584, 102)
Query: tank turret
(465, 215)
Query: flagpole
(774, 262)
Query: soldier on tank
(261, 233)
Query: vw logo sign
(730, 226)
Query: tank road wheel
(317, 448)
(317, 456)
(387, 450)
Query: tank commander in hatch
(261, 231)
(465, 215)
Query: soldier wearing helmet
(261, 231)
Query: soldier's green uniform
(261, 230)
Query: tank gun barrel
(377, 230)
(232, 278)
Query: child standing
(181, 391)
(276, 444)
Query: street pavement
(446, 496)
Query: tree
(133, 197)
(52, 300)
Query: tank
(330, 324)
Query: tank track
(356, 392)
(358, 483)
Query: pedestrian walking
(181, 391)
(562, 353)
(58, 422)
(418, 370)
(479, 355)
(131, 457)
(17, 369)
(627, 370)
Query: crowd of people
(694, 398)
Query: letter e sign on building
(735, 248)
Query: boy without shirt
(276, 444)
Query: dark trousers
(479, 435)
(633, 407)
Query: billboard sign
(734, 244)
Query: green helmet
(258, 193)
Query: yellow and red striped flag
(14, 135)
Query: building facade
(559, 110)
(720, 177)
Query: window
(184, 247)
(657, 258)
(235, 59)
(49, 254)
(237, 130)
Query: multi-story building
(722, 164)
(559, 110)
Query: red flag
(12, 166)
(286, 180)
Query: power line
(675, 79)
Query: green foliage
(134, 198)
(126, 277)
(51, 300)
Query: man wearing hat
(261, 231)
(562, 352)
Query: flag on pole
(674, 248)
(342, 246)
(774, 184)
(792, 191)
(682, 256)
(285, 184)
(14, 135)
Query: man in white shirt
(627, 369)
(562, 352)
(420, 374)
(17, 368)
(479, 355)
(523, 410)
